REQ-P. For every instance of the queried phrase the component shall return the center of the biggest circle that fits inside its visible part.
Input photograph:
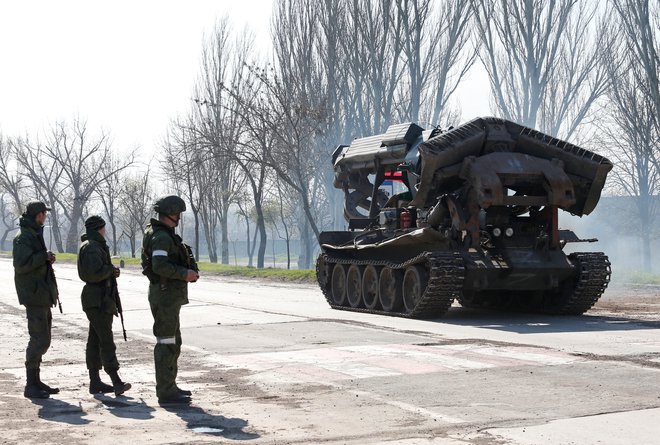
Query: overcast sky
(125, 66)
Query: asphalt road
(272, 363)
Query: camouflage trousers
(101, 349)
(40, 322)
(168, 347)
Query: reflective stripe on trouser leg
(166, 351)
(166, 340)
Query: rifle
(192, 263)
(111, 286)
(51, 275)
(187, 254)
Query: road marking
(359, 362)
(409, 407)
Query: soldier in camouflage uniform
(99, 301)
(37, 291)
(169, 265)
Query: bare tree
(109, 192)
(7, 217)
(12, 182)
(639, 24)
(135, 199)
(180, 162)
(436, 45)
(44, 176)
(67, 168)
(543, 60)
(632, 132)
(217, 128)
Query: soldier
(169, 265)
(37, 291)
(99, 301)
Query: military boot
(45, 387)
(97, 386)
(183, 392)
(119, 386)
(32, 390)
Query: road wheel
(389, 289)
(414, 285)
(354, 286)
(370, 287)
(338, 284)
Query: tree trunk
(72, 237)
(4, 238)
(131, 240)
(645, 226)
(224, 227)
(114, 236)
(263, 238)
(304, 258)
(196, 216)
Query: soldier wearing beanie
(99, 303)
(37, 291)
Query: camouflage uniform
(166, 264)
(99, 303)
(37, 291)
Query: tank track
(594, 276)
(575, 297)
(446, 275)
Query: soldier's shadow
(199, 421)
(126, 407)
(60, 411)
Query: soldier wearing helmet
(169, 265)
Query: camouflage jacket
(165, 263)
(96, 270)
(35, 284)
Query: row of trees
(257, 138)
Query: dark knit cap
(94, 222)
(33, 208)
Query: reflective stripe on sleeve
(166, 340)
(159, 253)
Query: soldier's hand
(192, 276)
(117, 272)
(51, 257)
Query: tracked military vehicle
(473, 217)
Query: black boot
(32, 390)
(119, 386)
(45, 387)
(183, 392)
(96, 386)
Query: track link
(592, 280)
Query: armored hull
(476, 222)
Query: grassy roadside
(300, 276)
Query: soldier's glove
(117, 272)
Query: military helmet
(94, 222)
(170, 205)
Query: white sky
(125, 66)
